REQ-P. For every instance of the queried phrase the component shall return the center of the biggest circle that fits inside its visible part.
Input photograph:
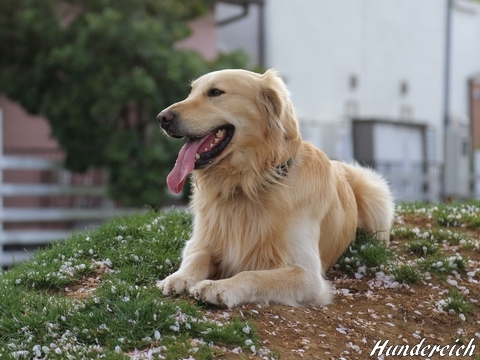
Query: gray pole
(446, 99)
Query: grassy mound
(95, 295)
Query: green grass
(406, 274)
(423, 247)
(455, 303)
(365, 255)
(455, 214)
(442, 264)
(125, 312)
(431, 235)
(405, 232)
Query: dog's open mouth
(211, 145)
(197, 153)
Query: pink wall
(203, 38)
(23, 131)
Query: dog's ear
(270, 96)
(274, 102)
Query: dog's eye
(215, 92)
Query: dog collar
(282, 169)
(281, 172)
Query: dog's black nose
(165, 118)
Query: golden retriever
(271, 212)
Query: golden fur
(260, 236)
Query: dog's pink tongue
(184, 166)
(186, 161)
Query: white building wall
(382, 42)
(311, 45)
(403, 41)
(319, 44)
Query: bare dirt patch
(369, 309)
(351, 326)
(85, 287)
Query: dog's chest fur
(242, 235)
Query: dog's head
(233, 117)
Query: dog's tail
(374, 200)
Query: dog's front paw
(176, 284)
(215, 292)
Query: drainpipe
(446, 99)
(245, 4)
(261, 33)
(244, 13)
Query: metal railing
(420, 181)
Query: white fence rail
(17, 238)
